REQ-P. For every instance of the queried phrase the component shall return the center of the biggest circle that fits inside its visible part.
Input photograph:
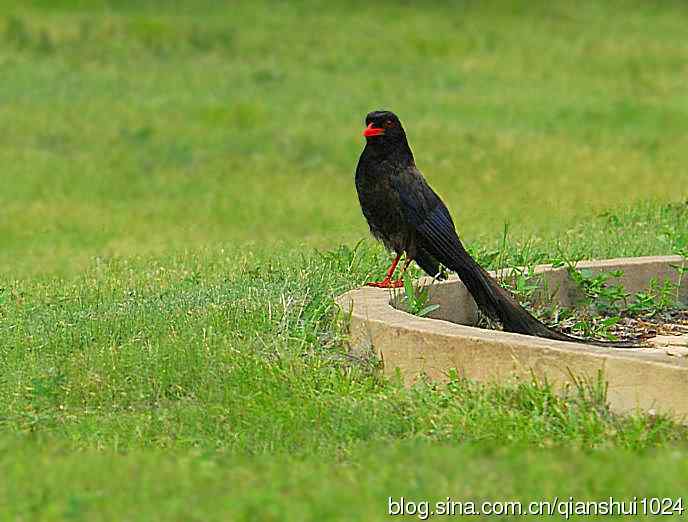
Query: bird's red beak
(373, 131)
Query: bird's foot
(387, 283)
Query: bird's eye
(389, 123)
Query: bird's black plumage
(408, 217)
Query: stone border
(645, 378)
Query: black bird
(410, 218)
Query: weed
(660, 297)
(416, 299)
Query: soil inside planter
(627, 327)
(624, 326)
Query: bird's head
(384, 128)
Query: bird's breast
(381, 206)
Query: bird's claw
(386, 284)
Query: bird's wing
(429, 218)
(425, 212)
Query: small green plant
(591, 326)
(599, 292)
(681, 270)
(416, 299)
(607, 302)
(523, 283)
(612, 299)
(604, 301)
(660, 297)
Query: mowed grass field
(177, 212)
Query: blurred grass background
(168, 345)
(134, 127)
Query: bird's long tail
(498, 304)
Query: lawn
(177, 212)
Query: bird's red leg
(387, 281)
(400, 282)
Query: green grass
(224, 377)
(194, 486)
(176, 183)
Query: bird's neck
(396, 152)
